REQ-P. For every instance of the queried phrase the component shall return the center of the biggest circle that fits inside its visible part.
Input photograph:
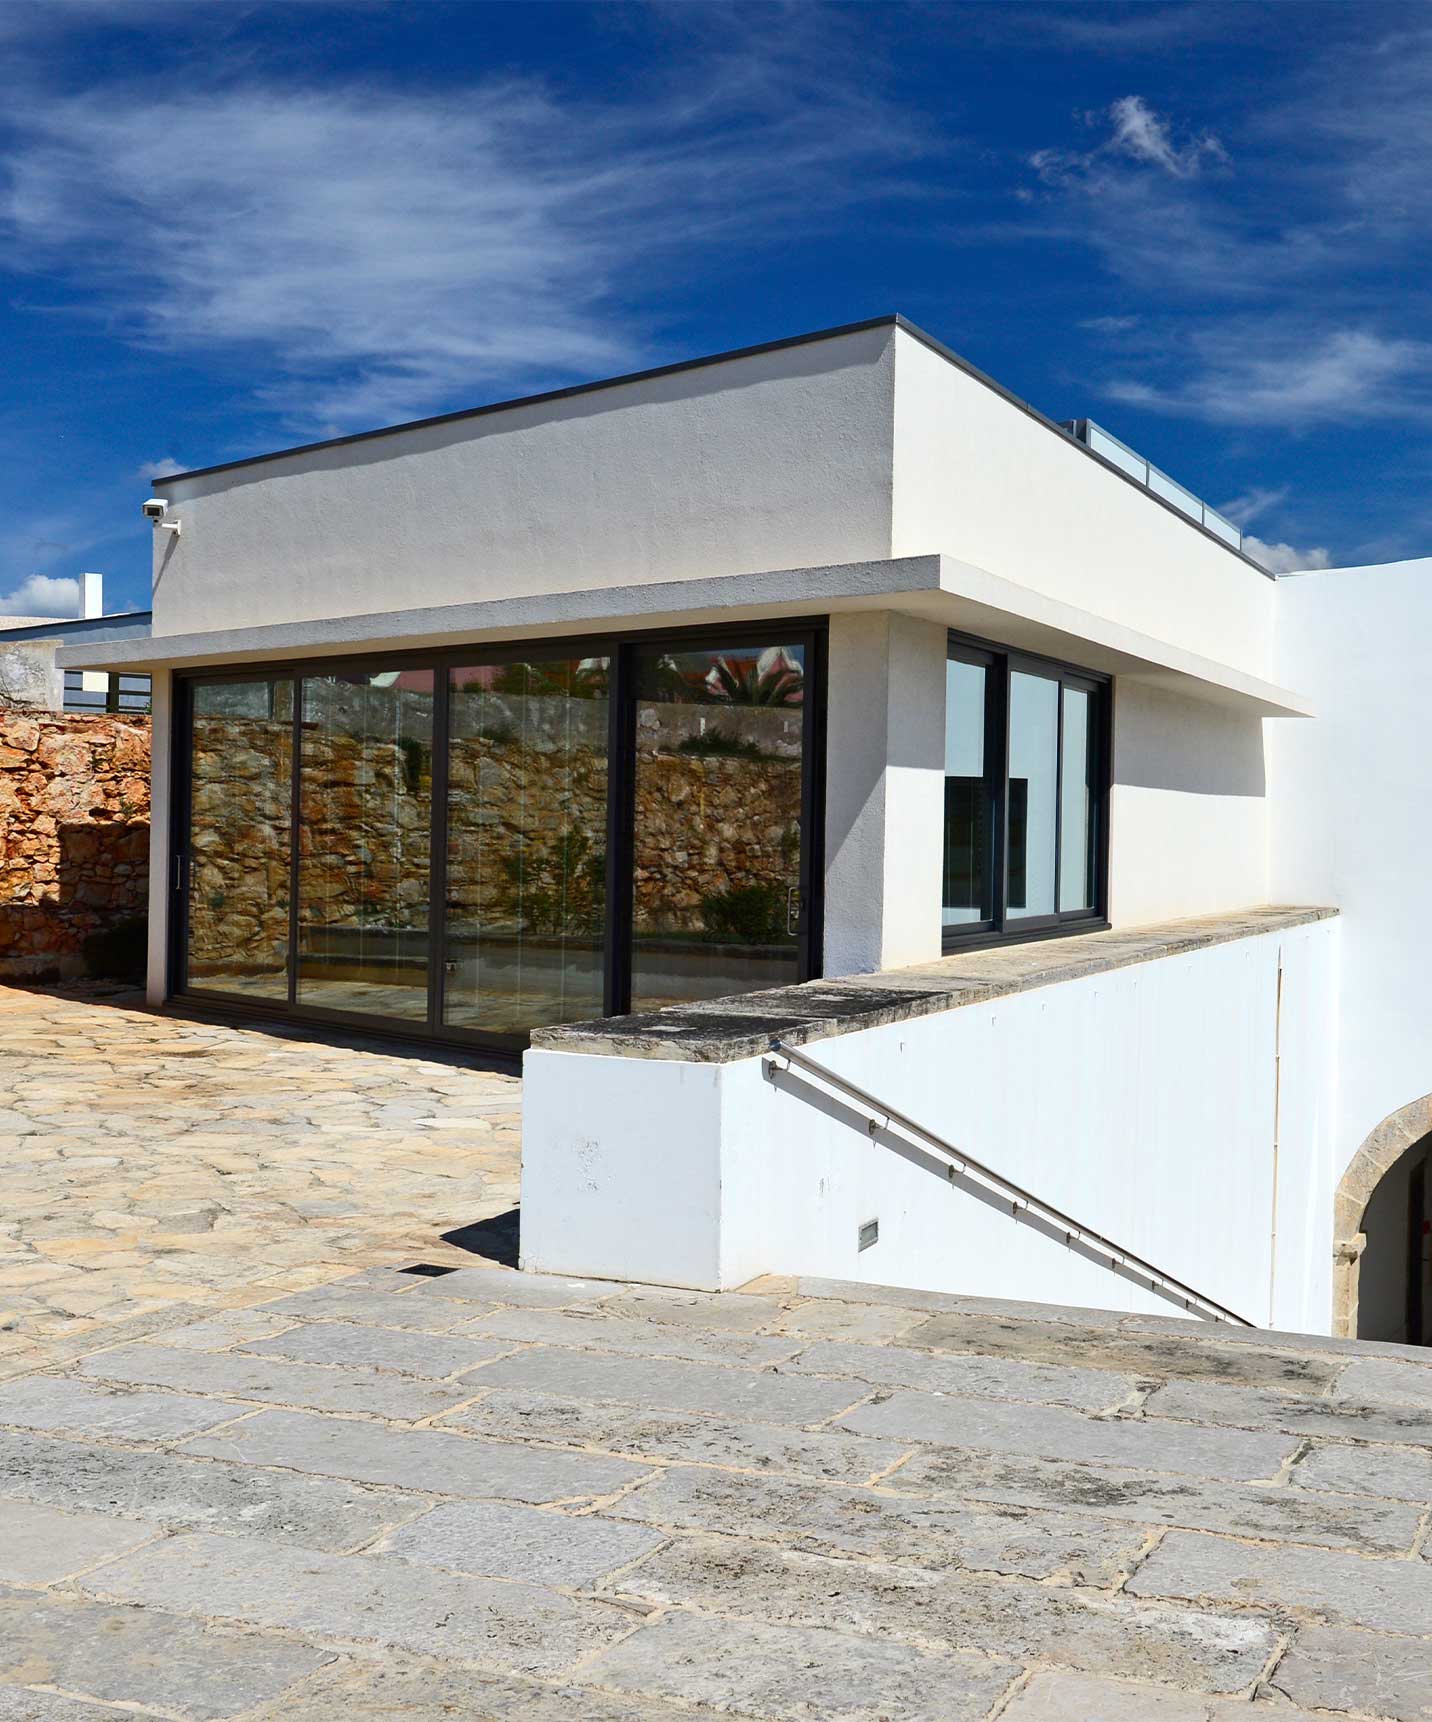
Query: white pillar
(885, 789)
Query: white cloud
(41, 595)
(1284, 558)
(1136, 134)
(369, 255)
(1256, 375)
(1143, 135)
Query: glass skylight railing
(1119, 454)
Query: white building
(826, 692)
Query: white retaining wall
(1174, 1105)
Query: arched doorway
(1382, 1248)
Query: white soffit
(955, 594)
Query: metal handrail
(1020, 1200)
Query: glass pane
(716, 888)
(365, 813)
(1033, 777)
(239, 844)
(527, 843)
(968, 823)
(1076, 857)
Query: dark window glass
(527, 843)
(1033, 793)
(239, 856)
(1076, 874)
(1024, 749)
(969, 823)
(365, 841)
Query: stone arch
(1381, 1151)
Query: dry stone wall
(74, 837)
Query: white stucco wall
(777, 460)
(977, 478)
(1188, 810)
(885, 787)
(1173, 1105)
(1351, 816)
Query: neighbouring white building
(825, 694)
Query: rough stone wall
(74, 835)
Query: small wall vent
(868, 1234)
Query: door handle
(793, 910)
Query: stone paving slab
(491, 1539)
(634, 1336)
(1261, 1408)
(790, 1674)
(137, 1656)
(1342, 1670)
(62, 1405)
(1194, 1503)
(41, 1545)
(967, 1377)
(936, 1536)
(1154, 1356)
(181, 1493)
(763, 1397)
(348, 1344)
(1203, 1649)
(430, 1460)
(273, 1381)
(348, 1599)
(1383, 1595)
(1402, 1474)
(417, 1689)
(23, 1704)
(676, 1436)
(1053, 1697)
(1048, 1432)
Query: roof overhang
(939, 588)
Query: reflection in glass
(1076, 872)
(968, 894)
(1033, 780)
(717, 851)
(365, 815)
(526, 861)
(239, 856)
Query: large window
(477, 843)
(1026, 749)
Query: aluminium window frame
(1000, 663)
(621, 648)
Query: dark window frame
(620, 647)
(999, 663)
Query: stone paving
(485, 1495)
(149, 1162)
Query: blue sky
(229, 227)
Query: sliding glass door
(480, 843)
(716, 853)
(527, 792)
(235, 875)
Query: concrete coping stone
(720, 1031)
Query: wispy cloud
(1257, 374)
(1134, 133)
(369, 254)
(40, 595)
